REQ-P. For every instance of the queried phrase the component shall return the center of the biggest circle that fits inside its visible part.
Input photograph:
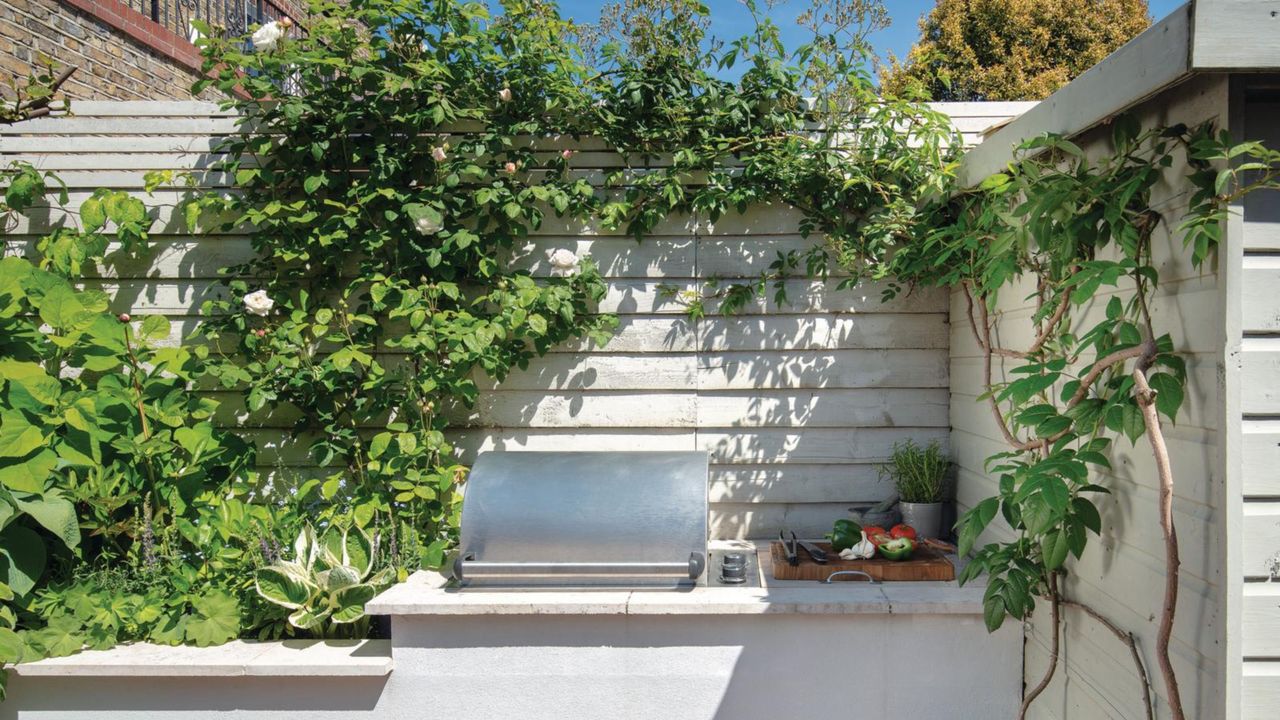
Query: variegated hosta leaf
(306, 618)
(341, 577)
(349, 603)
(383, 578)
(303, 546)
(283, 586)
(357, 550)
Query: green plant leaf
(57, 515)
(215, 619)
(63, 635)
(1169, 394)
(1054, 549)
(18, 437)
(22, 558)
(306, 619)
(357, 551)
(283, 587)
(11, 646)
(154, 327)
(349, 603)
(993, 610)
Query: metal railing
(235, 17)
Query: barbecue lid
(574, 518)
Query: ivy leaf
(215, 620)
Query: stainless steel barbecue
(540, 519)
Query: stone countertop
(238, 658)
(428, 593)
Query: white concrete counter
(427, 594)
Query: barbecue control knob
(733, 568)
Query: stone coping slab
(238, 658)
(428, 593)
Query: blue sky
(730, 20)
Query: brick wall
(118, 52)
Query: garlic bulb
(864, 550)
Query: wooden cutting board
(925, 564)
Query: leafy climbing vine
(1079, 232)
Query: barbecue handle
(467, 568)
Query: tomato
(902, 531)
(877, 534)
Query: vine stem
(1055, 608)
(1129, 641)
(137, 384)
(1146, 398)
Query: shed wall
(1122, 572)
(1255, 411)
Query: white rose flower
(505, 95)
(258, 303)
(266, 37)
(439, 154)
(427, 226)
(563, 262)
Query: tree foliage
(1011, 49)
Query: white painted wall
(1253, 416)
(797, 404)
(1122, 573)
(593, 667)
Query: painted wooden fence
(797, 404)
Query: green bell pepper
(845, 535)
(899, 549)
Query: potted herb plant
(917, 474)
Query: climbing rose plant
(397, 159)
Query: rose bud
(124, 317)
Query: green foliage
(384, 285)
(917, 473)
(330, 578)
(1082, 229)
(1011, 49)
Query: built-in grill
(537, 519)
